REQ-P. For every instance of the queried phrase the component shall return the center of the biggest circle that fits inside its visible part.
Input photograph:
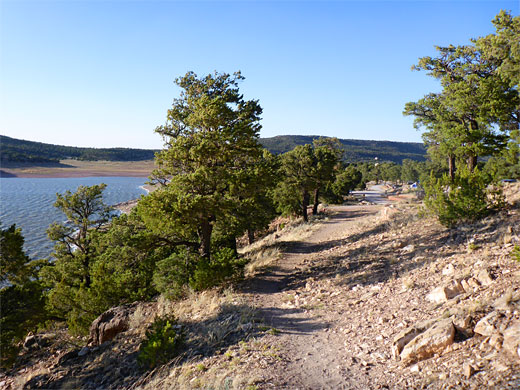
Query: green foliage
(354, 150)
(479, 103)
(13, 260)
(223, 264)
(21, 296)
(173, 273)
(209, 168)
(68, 280)
(164, 340)
(346, 181)
(516, 253)
(465, 199)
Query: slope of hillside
(16, 150)
(351, 301)
(355, 150)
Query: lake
(29, 204)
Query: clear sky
(100, 73)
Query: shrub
(467, 198)
(173, 273)
(223, 264)
(163, 342)
(516, 253)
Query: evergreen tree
(209, 163)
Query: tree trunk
(472, 163)
(251, 236)
(316, 201)
(451, 167)
(205, 231)
(305, 203)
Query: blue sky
(100, 73)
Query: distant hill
(16, 150)
(355, 150)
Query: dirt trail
(312, 355)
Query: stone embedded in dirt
(486, 326)
(37, 341)
(448, 270)
(444, 293)
(473, 283)
(408, 249)
(433, 341)
(110, 323)
(407, 335)
(484, 277)
(512, 339)
(463, 325)
(469, 370)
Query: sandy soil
(76, 168)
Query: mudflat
(76, 168)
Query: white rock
(448, 270)
(432, 341)
(484, 277)
(486, 326)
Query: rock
(37, 341)
(469, 370)
(407, 335)
(448, 270)
(484, 277)
(83, 351)
(432, 341)
(463, 325)
(444, 293)
(467, 288)
(486, 326)
(473, 283)
(110, 323)
(511, 342)
(408, 249)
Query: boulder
(407, 335)
(110, 323)
(511, 342)
(433, 341)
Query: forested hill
(355, 150)
(17, 150)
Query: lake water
(29, 204)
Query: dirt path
(312, 355)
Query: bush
(163, 342)
(223, 265)
(173, 273)
(516, 253)
(467, 198)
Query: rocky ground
(373, 297)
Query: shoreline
(77, 169)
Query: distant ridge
(17, 150)
(355, 150)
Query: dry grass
(266, 251)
